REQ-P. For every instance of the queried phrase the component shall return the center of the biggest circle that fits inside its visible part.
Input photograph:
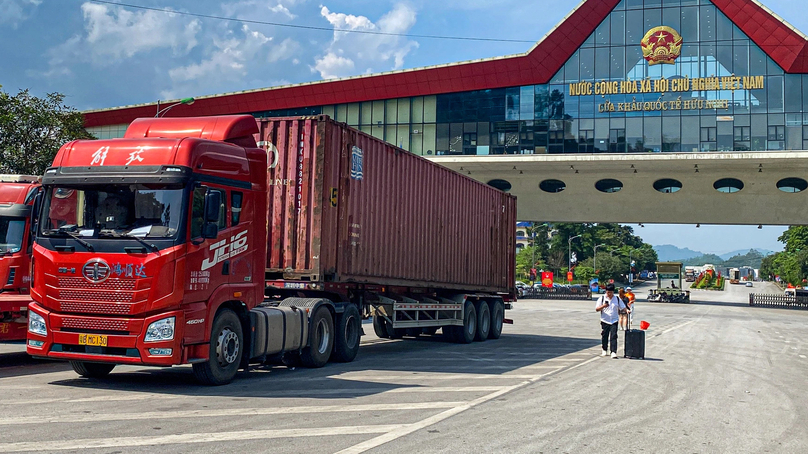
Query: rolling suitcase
(634, 342)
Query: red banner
(546, 279)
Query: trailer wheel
(483, 321)
(497, 317)
(226, 344)
(346, 342)
(91, 370)
(321, 339)
(380, 327)
(466, 333)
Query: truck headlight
(36, 324)
(161, 330)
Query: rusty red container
(347, 207)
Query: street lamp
(630, 273)
(569, 252)
(595, 258)
(611, 251)
(160, 112)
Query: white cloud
(252, 9)
(15, 11)
(286, 49)
(116, 32)
(349, 51)
(232, 59)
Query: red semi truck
(17, 193)
(227, 241)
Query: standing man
(609, 306)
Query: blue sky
(101, 55)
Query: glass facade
(710, 89)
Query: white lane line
(681, 325)
(443, 389)
(424, 377)
(313, 393)
(130, 442)
(225, 412)
(410, 428)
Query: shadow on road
(16, 364)
(430, 354)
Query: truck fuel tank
(277, 329)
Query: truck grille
(96, 308)
(81, 295)
(95, 324)
(11, 275)
(109, 284)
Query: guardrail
(557, 293)
(787, 301)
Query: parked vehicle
(734, 276)
(690, 274)
(189, 244)
(17, 194)
(749, 284)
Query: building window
(776, 138)
(742, 138)
(708, 139)
(586, 141)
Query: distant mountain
(726, 256)
(669, 253)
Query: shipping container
(347, 207)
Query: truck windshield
(11, 232)
(113, 211)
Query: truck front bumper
(105, 339)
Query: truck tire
(321, 339)
(467, 332)
(226, 346)
(483, 321)
(497, 317)
(380, 327)
(91, 370)
(346, 341)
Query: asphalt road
(720, 376)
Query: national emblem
(661, 45)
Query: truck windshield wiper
(141, 241)
(87, 245)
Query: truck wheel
(226, 344)
(380, 327)
(467, 332)
(483, 321)
(92, 370)
(497, 316)
(321, 339)
(346, 343)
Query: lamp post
(160, 112)
(630, 273)
(595, 258)
(569, 252)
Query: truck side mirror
(210, 231)
(213, 202)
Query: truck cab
(17, 195)
(143, 240)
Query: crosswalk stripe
(130, 442)
(226, 412)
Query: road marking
(423, 377)
(410, 428)
(130, 442)
(226, 412)
(269, 394)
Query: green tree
(795, 238)
(32, 129)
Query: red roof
(775, 37)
